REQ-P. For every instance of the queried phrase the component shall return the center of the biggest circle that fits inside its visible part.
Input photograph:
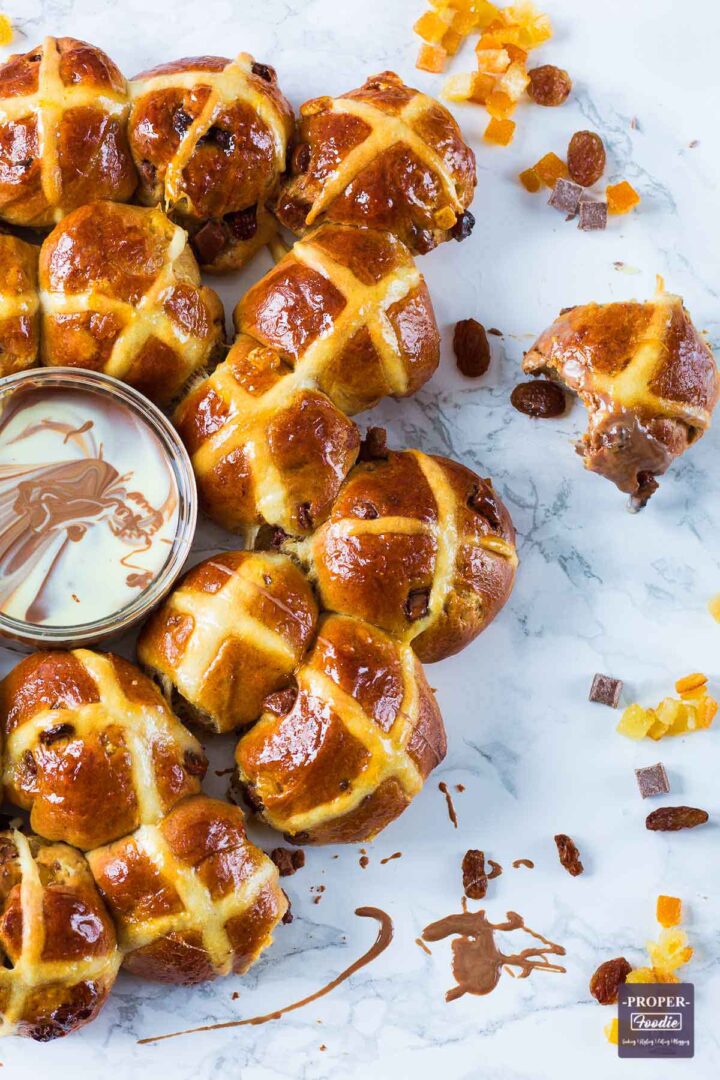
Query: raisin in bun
(91, 748)
(384, 156)
(209, 137)
(19, 305)
(418, 545)
(343, 320)
(228, 635)
(57, 940)
(121, 293)
(192, 897)
(339, 758)
(647, 378)
(63, 140)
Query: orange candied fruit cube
(500, 105)
(6, 30)
(621, 198)
(482, 87)
(690, 682)
(611, 1031)
(714, 607)
(669, 910)
(706, 712)
(451, 41)
(516, 54)
(431, 58)
(530, 180)
(499, 132)
(492, 61)
(431, 27)
(550, 169)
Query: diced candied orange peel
(621, 197)
(714, 607)
(500, 105)
(693, 711)
(432, 26)
(6, 30)
(550, 168)
(445, 217)
(611, 1031)
(492, 61)
(669, 911)
(499, 132)
(530, 180)
(431, 58)
(670, 951)
(690, 682)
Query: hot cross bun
(647, 378)
(339, 758)
(63, 141)
(209, 137)
(230, 633)
(192, 898)
(121, 293)
(19, 304)
(86, 732)
(383, 156)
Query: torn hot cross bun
(19, 305)
(383, 156)
(342, 757)
(209, 137)
(418, 545)
(229, 634)
(63, 141)
(192, 897)
(57, 940)
(121, 293)
(91, 748)
(343, 320)
(646, 377)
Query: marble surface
(598, 590)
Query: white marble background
(598, 589)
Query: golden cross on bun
(57, 940)
(342, 757)
(121, 293)
(229, 634)
(647, 378)
(417, 545)
(383, 156)
(91, 748)
(343, 320)
(63, 141)
(19, 303)
(209, 137)
(192, 898)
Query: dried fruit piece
(568, 854)
(530, 180)
(669, 910)
(6, 30)
(586, 158)
(549, 85)
(492, 61)
(672, 818)
(611, 1031)
(652, 780)
(471, 347)
(431, 27)
(593, 215)
(475, 879)
(690, 683)
(714, 607)
(670, 952)
(499, 132)
(514, 81)
(605, 690)
(621, 198)
(374, 446)
(635, 722)
(500, 105)
(539, 399)
(550, 169)
(431, 58)
(609, 976)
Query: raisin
(287, 861)
(281, 702)
(55, 734)
(300, 158)
(608, 977)
(463, 226)
(569, 854)
(586, 158)
(549, 85)
(195, 764)
(539, 399)
(416, 606)
(147, 171)
(216, 136)
(366, 511)
(672, 818)
(471, 347)
(482, 502)
(422, 240)
(243, 223)
(181, 121)
(475, 879)
(304, 517)
(247, 793)
(264, 71)
(374, 446)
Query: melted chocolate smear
(496, 869)
(477, 961)
(395, 855)
(524, 862)
(450, 804)
(383, 939)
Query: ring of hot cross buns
(192, 898)
(341, 755)
(209, 137)
(344, 319)
(63, 137)
(19, 305)
(57, 940)
(647, 378)
(383, 156)
(121, 293)
(83, 731)
(232, 632)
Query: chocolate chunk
(374, 446)
(568, 854)
(300, 159)
(605, 690)
(647, 485)
(653, 780)
(593, 215)
(565, 197)
(495, 332)
(264, 71)
(281, 702)
(210, 241)
(539, 399)
(416, 606)
(288, 860)
(672, 818)
(56, 733)
(304, 517)
(217, 136)
(181, 121)
(243, 223)
(194, 764)
(288, 916)
(269, 538)
(482, 502)
(474, 877)
(463, 226)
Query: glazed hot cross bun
(121, 293)
(19, 304)
(63, 141)
(192, 898)
(418, 545)
(344, 319)
(57, 940)
(383, 156)
(230, 633)
(91, 748)
(647, 378)
(339, 757)
(209, 137)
